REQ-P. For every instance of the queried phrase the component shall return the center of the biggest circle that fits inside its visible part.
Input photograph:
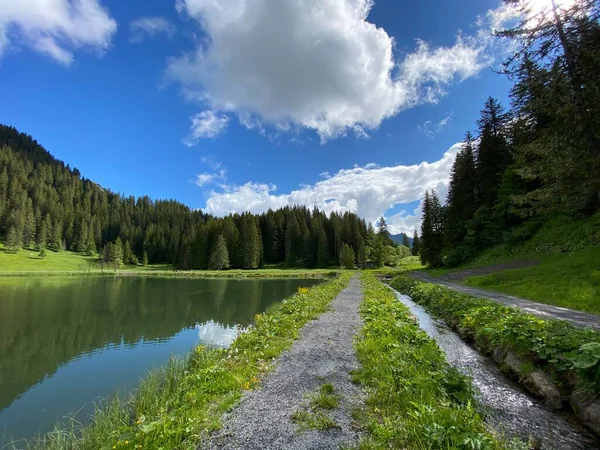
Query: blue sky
(248, 104)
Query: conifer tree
(405, 241)
(14, 240)
(416, 243)
(361, 255)
(322, 249)
(219, 259)
(29, 227)
(462, 195)
(127, 253)
(145, 259)
(347, 257)
(432, 231)
(251, 243)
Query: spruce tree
(462, 195)
(361, 255)
(14, 241)
(29, 227)
(415, 249)
(145, 258)
(347, 257)
(219, 259)
(405, 240)
(322, 249)
(127, 253)
(432, 231)
(251, 242)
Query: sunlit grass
(414, 398)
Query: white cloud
(56, 28)
(301, 64)
(206, 124)
(211, 162)
(430, 129)
(368, 191)
(149, 27)
(209, 178)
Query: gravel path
(323, 354)
(539, 309)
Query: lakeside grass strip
(569, 354)
(200, 274)
(416, 400)
(179, 405)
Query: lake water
(66, 342)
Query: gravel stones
(324, 353)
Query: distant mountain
(398, 238)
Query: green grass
(27, 262)
(568, 274)
(415, 399)
(571, 281)
(325, 398)
(313, 420)
(569, 354)
(316, 417)
(178, 406)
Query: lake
(67, 342)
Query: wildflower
(127, 442)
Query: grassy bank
(570, 355)
(415, 398)
(568, 274)
(176, 407)
(571, 280)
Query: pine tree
(251, 243)
(322, 249)
(347, 257)
(127, 253)
(145, 259)
(90, 245)
(462, 195)
(405, 240)
(361, 255)
(432, 231)
(493, 155)
(56, 240)
(29, 228)
(383, 232)
(415, 249)
(219, 259)
(14, 241)
(116, 255)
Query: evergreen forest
(47, 205)
(534, 159)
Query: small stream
(510, 410)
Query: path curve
(539, 309)
(324, 353)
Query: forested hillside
(535, 160)
(45, 204)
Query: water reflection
(66, 341)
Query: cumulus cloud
(56, 28)
(430, 129)
(367, 191)
(301, 64)
(206, 124)
(209, 178)
(149, 27)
